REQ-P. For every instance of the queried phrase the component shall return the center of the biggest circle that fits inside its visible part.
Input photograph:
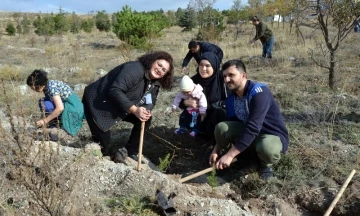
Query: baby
(190, 117)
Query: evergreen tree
(60, 22)
(44, 26)
(102, 21)
(87, 25)
(135, 28)
(10, 29)
(188, 19)
(171, 18)
(25, 23)
(75, 23)
(178, 14)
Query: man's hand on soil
(224, 162)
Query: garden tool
(141, 145)
(341, 191)
(202, 172)
(148, 100)
(166, 203)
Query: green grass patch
(132, 205)
(348, 134)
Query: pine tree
(60, 22)
(10, 29)
(25, 23)
(75, 23)
(87, 25)
(188, 19)
(102, 21)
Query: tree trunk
(332, 70)
(291, 25)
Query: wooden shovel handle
(202, 172)
(141, 145)
(338, 195)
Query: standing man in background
(196, 49)
(265, 35)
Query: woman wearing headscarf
(211, 79)
(127, 93)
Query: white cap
(186, 84)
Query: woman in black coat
(127, 93)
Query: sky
(110, 6)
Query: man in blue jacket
(254, 122)
(196, 49)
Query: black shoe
(266, 173)
(136, 158)
(120, 155)
(53, 137)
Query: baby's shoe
(193, 133)
(180, 131)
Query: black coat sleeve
(130, 75)
(208, 47)
(187, 59)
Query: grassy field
(323, 125)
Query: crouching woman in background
(60, 103)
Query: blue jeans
(186, 119)
(47, 106)
(267, 47)
(356, 29)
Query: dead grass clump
(11, 72)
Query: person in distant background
(127, 93)
(197, 49)
(60, 102)
(265, 35)
(357, 26)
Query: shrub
(135, 205)
(8, 72)
(44, 26)
(102, 21)
(10, 29)
(165, 163)
(87, 25)
(25, 24)
(75, 23)
(60, 22)
(187, 18)
(135, 28)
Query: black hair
(255, 18)
(234, 62)
(192, 44)
(37, 78)
(149, 58)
